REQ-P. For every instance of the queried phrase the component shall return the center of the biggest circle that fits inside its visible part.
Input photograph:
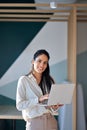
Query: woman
(32, 90)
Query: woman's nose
(41, 64)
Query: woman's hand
(55, 107)
(43, 98)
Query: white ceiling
(53, 3)
(61, 1)
(56, 1)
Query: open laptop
(60, 94)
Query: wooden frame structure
(22, 12)
(70, 13)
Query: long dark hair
(46, 80)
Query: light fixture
(53, 5)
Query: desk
(10, 112)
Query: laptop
(60, 94)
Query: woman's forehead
(43, 57)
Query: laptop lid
(61, 93)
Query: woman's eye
(45, 63)
(39, 61)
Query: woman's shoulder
(25, 78)
(22, 78)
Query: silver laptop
(60, 94)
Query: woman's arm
(24, 98)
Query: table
(10, 112)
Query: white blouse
(27, 99)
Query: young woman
(33, 89)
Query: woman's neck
(37, 76)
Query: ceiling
(40, 10)
(56, 1)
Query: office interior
(61, 29)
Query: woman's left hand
(55, 107)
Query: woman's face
(40, 63)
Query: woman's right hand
(43, 97)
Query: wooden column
(72, 28)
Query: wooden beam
(40, 5)
(33, 16)
(72, 59)
(32, 20)
(31, 11)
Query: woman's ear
(32, 62)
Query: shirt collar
(31, 76)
